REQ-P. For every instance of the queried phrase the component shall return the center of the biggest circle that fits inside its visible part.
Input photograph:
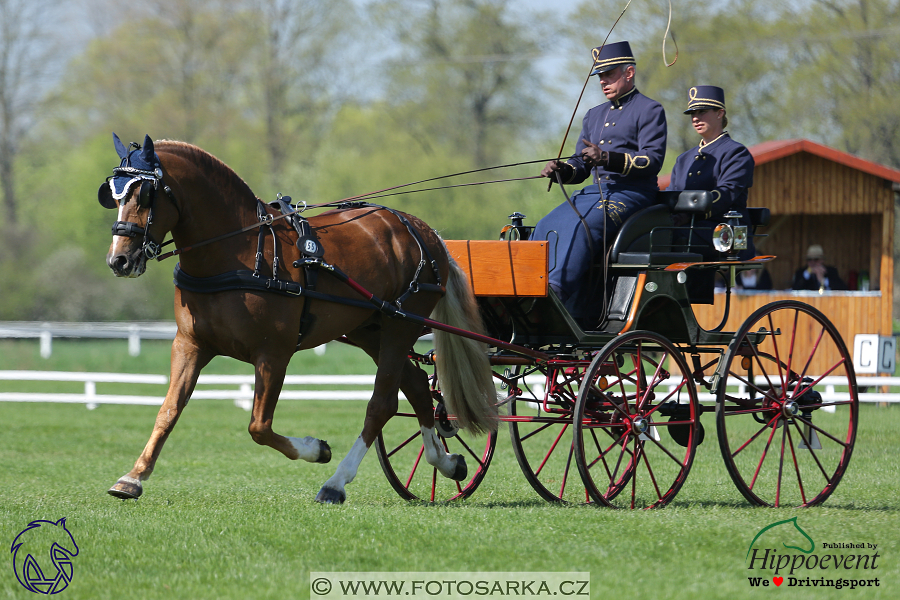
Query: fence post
(134, 340)
(46, 343)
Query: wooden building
(819, 195)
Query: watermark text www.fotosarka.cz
(412, 585)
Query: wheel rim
(783, 445)
(401, 454)
(640, 399)
(541, 429)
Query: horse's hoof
(126, 488)
(324, 452)
(330, 496)
(461, 470)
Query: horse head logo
(788, 533)
(34, 544)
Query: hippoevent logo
(783, 553)
(42, 556)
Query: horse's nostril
(119, 263)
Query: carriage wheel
(401, 454)
(783, 444)
(540, 429)
(637, 422)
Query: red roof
(769, 151)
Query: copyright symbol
(321, 586)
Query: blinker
(147, 194)
(104, 195)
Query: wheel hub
(640, 425)
(790, 409)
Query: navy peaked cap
(610, 56)
(702, 97)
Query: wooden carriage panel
(503, 268)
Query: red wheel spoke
(666, 450)
(536, 431)
(790, 442)
(552, 448)
(404, 443)
(763, 457)
(415, 466)
(780, 466)
(754, 436)
(650, 471)
(637, 460)
(811, 452)
(469, 450)
(822, 431)
(562, 488)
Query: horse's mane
(215, 169)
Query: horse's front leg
(187, 361)
(269, 381)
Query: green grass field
(224, 518)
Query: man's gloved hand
(553, 167)
(593, 156)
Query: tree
(847, 70)
(26, 58)
(465, 75)
(298, 58)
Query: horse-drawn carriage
(617, 403)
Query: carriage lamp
(731, 236)
(517, 230)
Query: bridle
(150, 182)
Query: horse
(264, 312)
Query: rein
(350, 202)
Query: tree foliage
(328, 100)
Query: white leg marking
(346, 471)
(435, 453)
(308, 448)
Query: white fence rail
(134, 332)
(341, 387)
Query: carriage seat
(648, 236)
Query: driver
(622, 146)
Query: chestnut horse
(177, 188)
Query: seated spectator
(816, 275)
(754, 279)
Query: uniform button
(601, 142)
(689, 174)
(607, 176)
(614, 124)
(696, 157)
(606, 125)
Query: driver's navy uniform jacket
(725, 167)
(632, 129)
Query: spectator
(816, 275)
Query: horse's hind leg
(389, 349)
(187, 360)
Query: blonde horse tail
(463, 369)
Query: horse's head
(133, 189)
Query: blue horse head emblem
(42, 556)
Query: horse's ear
(147, 152)
(104, 195)
(121, 150)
